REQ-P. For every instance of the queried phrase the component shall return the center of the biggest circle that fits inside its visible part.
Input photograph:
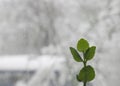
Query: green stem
(84, 62)
(84, 83)
(85, 80)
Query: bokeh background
(35, 36)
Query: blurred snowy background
(35, 36)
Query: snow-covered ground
(42, 64)
(26, 62)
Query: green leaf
(90, 53)
(77, 77)
(87, 74)
(75, 55)
(82, 45)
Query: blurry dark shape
(11, 77)
(57, 73)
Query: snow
(22, 62)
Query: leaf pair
(86, 74)
(83, 46)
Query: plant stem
(84, 83)
(85, 80)
(84, 62)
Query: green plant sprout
(87, 73)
